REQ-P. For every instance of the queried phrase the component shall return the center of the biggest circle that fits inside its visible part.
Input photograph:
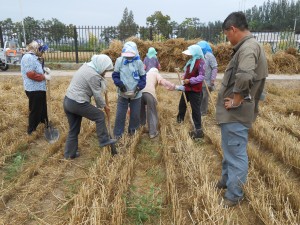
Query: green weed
(143, 207)
(15, 166)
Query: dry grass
(91, 189)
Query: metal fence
(78, 44)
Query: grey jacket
(86, 83)
(245, 74)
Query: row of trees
(271, 16)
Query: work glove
(122, 88)
(179, 88)
(211, 87)
(137, 89)
(47, 76)
(47, 70)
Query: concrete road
(164, 74)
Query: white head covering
(33, 47)
(100, 63)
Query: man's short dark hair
(236, 19)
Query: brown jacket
(245, 74)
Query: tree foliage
(127, 27)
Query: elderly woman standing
(194, 73)
(211, 70)
(35, 85)
(87, 81)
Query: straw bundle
(286, 63)
(169, 54)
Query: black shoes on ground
(196, 134)
(220, 185)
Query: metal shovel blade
(51, 134)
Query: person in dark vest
(194, 74)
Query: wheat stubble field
(166, 180)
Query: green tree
(160, 24)
(190, 28)
(127, 27)
(8, 26)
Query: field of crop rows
(166, 180)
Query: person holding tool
(211, 70)
(194, 73)
(34, 82)
(130, 78)
(87, 81)
(237, 104)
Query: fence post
(76, 44)
(1, 38)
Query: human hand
(211, 87)
(137, 89)
(47, 70)
(107, 110)
(123, 88)
(47, 76)
(230, 104)
(186, 81)
(179, 88)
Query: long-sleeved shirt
(245, 74)
(152, 80)
(124, 74)
(151, 63)
(86, 83)
(29, 63)
(211, 68)
(201, 74)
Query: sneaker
(108, 142)
(229, 203)
(220, 185)
(154, 135)
(196, 134)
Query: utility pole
(24, 36)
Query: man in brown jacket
(237, 104)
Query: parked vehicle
(11, 54)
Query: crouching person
(87, 81)
(149, 100)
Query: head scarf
(37, 47)
(33, 47)
(196, 53)
(100, 63)
(131, 48)
(205, 47)
(151, 53)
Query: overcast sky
(110, 12)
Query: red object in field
(128, 112)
